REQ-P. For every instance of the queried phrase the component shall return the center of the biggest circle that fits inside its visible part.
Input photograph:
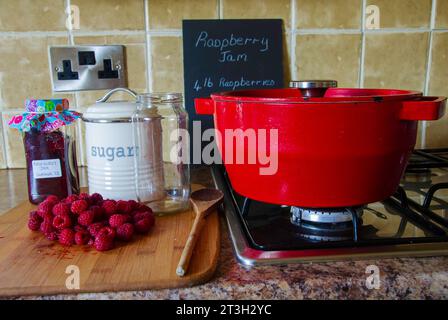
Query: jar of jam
(49, 138)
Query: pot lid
(107, 110)
(332, 95)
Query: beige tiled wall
(402, 65)
(333, 56)
(323, 39)
(404, 13)
(334, 14)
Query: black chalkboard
(227, 55)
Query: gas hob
(413, 222)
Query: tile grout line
(44, 34)
(80, 141)
(428, 68)
(22, 34)
(399, 30)
(220, 9)
(328, 31)
(292, 52)
(429, 57)
(166, 33)
(149, 84)
(178, 32)
(362, 57)
(71, 40)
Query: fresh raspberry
(79, 206)
(124, 206)
(110, 207)
(67, 237)
(53, 199)
(134, 204)
(47, 216)
(62, 221)
(143, 208)
(133, 213)
(61, 208)
(144, 225)
(142, 215)
(125, 232)
(46, 226)
(44, 208)
(34, 214)
(77, 228)
(82, 237)
(91, 241)
(34, 222)
(94, 228)
(103, 243)
(71, 198)
(96, 198)
(86, 217)
(117, 220)
(52, 236)
(84, 196)
(106, 232)
(98, 213)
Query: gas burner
(322, 215)
(324, 224)
(324, 231)
(323, 238)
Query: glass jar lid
(160, 97)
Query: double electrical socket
(75, 68)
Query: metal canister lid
(112, 111)
(311, 84)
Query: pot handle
(204, 106)
(425, 108)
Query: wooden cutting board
(33, 265)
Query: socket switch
(76, 68)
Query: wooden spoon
(204, 201)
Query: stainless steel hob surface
(409, 224)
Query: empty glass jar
(162, 173)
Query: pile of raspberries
(89, 220)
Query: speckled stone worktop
(412, 278)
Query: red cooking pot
(348, 147)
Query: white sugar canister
(111, 151)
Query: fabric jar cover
(44, 115)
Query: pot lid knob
(313, 88)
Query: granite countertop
(410, 278)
